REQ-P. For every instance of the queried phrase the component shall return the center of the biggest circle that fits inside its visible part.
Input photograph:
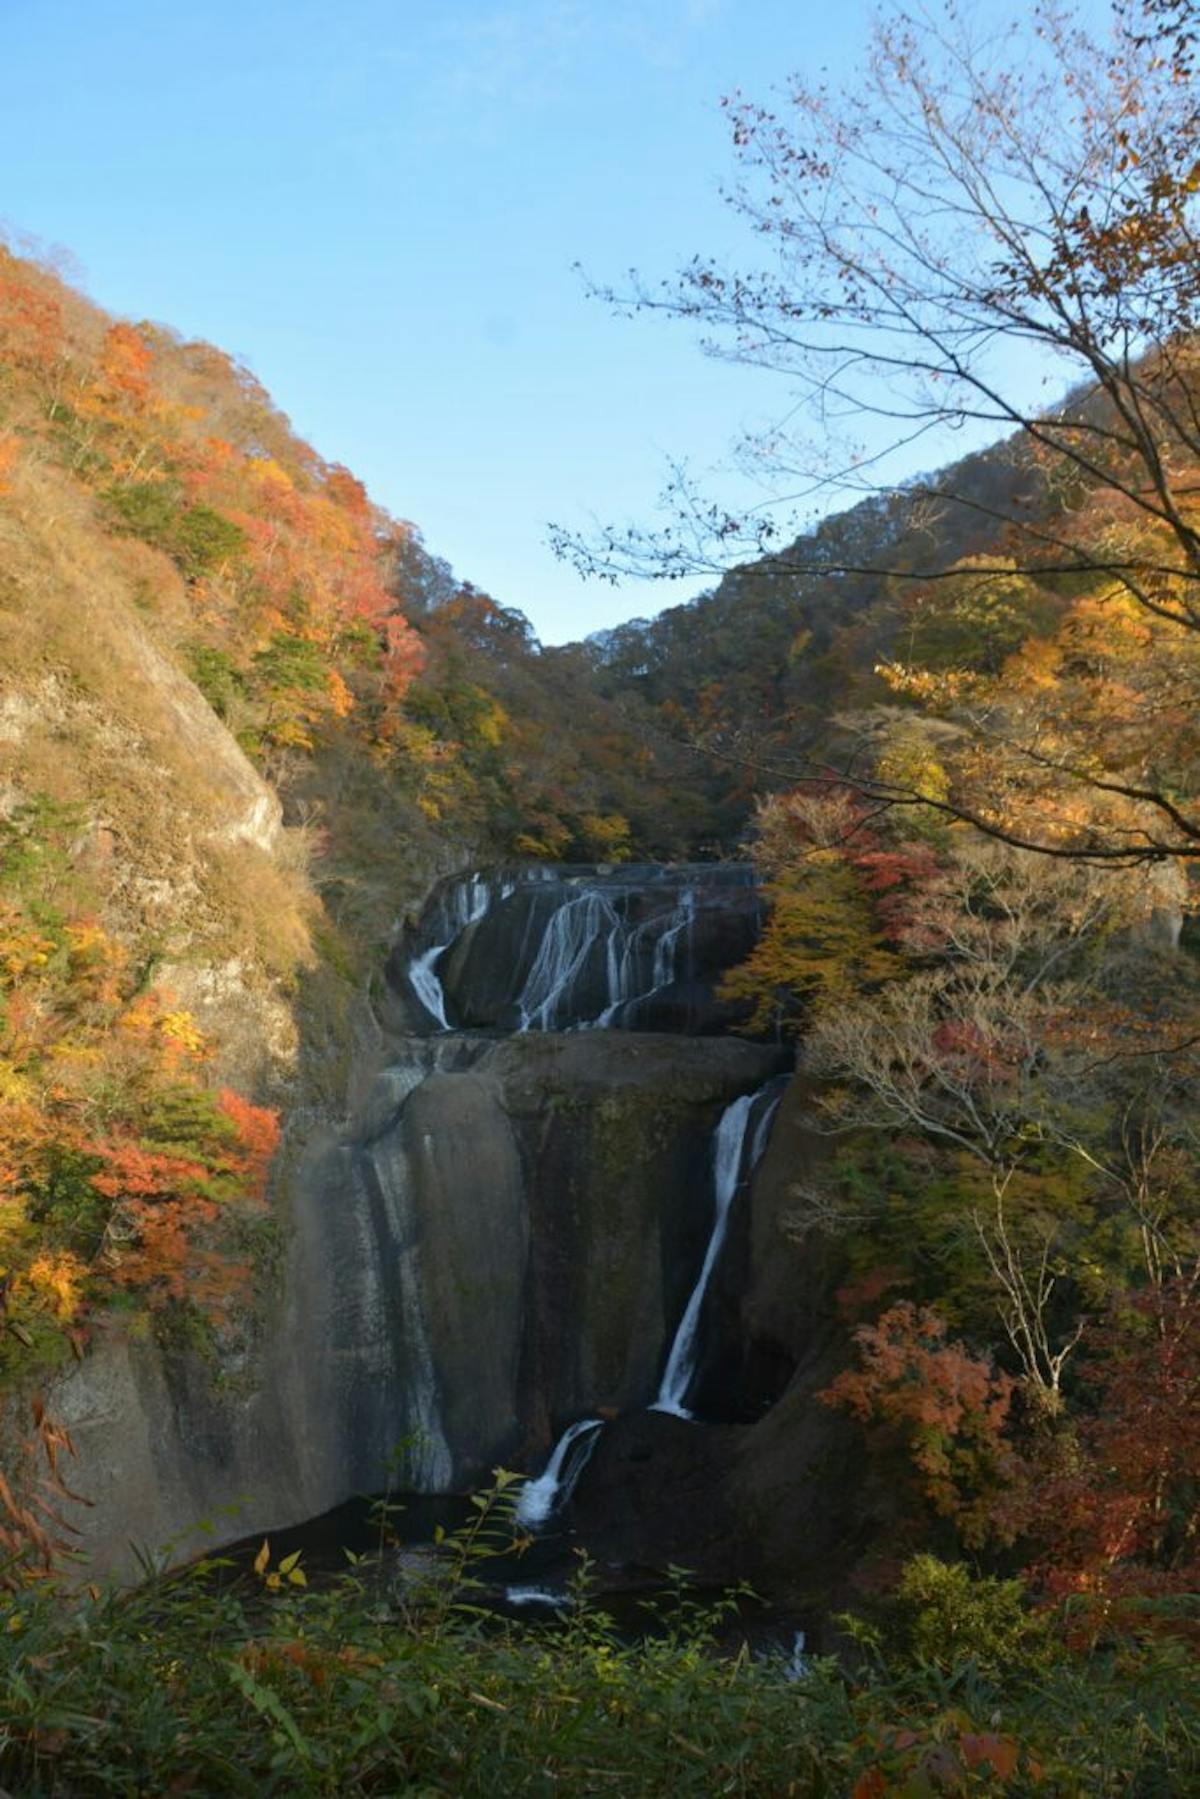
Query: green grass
(209, 1685)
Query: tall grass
(380, 1683)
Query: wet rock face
(554, 948)
(767, 1485)
(506, 1240)
(535, 1213)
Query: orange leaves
(137, 1173)
(948, 1406)
(123, 375)
(10, 450)
(946, 1756)
(153, 1248)
(258, 1137)
(404, 655)
(31, 321)
(118, 1168)
(190, 456)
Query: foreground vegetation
(261, 1684)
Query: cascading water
(554, 1487)
(731, 1165)
(625, 954)
(515, 953)
(570, 939)
(547, 1598)
(558, 949)
(468, 902)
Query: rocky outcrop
(539, 1207)
(505, 1244)
(766, 1484)
(550, 948)
(502, 1244)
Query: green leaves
(195, 536)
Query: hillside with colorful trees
(248, 720)
(968, 707)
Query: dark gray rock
(558, 947)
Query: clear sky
(378, 203)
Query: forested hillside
(246, 718)
(249, 721)
(983, 682)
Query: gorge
(551, 1240)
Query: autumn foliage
(947, 1407)
(122, 1170)
(284, 557)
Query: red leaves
(137, 1173)
(258, 1136)
(948, 1407)
(1115, 1505)
(943, 1757)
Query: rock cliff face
(764, 1484)
(527, 1221)
(629, 948)
(502, 1241)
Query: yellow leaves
(935, 688)
(271, 477)
(910, 761)
(89, 942)
(56, 1279)
(288, 1572)
(15, 1087)
(606, 837)
(152, 1018)
(23, 948)
(820, 946)
(180, 1028)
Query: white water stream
(567, 943)
(468, 903)
(587, 939)
(728, 1159)
(553, 1488)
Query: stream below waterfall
(535, 1583)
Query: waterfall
(728, 1158)
(625, 952)
(553, 1488)
(549, 1598)
(572, 940)
(426, 985)
(567, 944)
(407, 1358)
(469, 900)
(597, 945)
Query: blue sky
(379, 205)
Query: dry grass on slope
(181, 848)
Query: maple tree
(948, 1406)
